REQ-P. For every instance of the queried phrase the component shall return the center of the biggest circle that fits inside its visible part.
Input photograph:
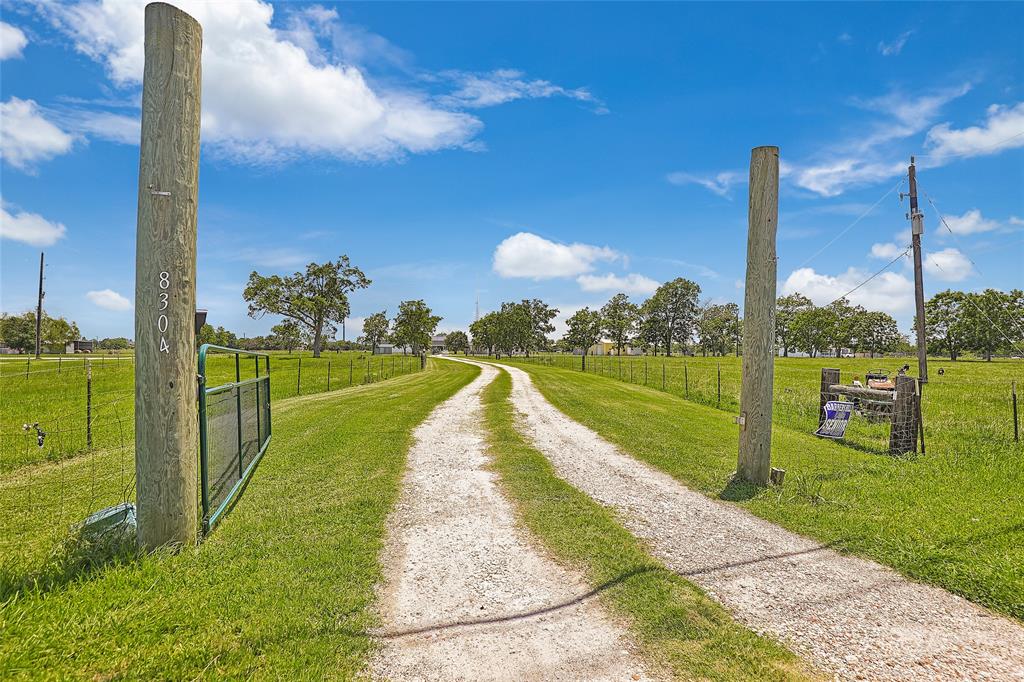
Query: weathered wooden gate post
(166, 428)
(903, 433)
(759, 318)
(829, 377)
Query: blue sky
(563, 151)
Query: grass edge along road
(973, 546)
(283, 588)
(678, 627)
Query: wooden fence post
(166, 428)
(829, 377)
(754, 463)
(903, 434)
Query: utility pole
(166, 428)
(755, 420)
(39, 307)
(917, 229)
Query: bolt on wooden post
(166, 429)
(759, 318)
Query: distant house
(391, 349)
(437, 343)
(608, 348)
(7, 350)
(80, 346)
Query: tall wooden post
(903, 433)
(829, 378)
(759, 318)
(166, 428)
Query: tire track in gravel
(467, 596)
(851, 617)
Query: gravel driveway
(853, 618)
(467, 595)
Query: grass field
(952, 517)
(52, 392)
(280, 590)
(679, 628)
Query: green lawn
(283, 586)
(53, 393)
(952, 518)
(679, 629)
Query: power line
(956, 239)
(854, 223)
(884, 268)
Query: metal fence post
(686, 380)
(663, 375)
(350, 371)
(88, 405)
(719, 384)
(298, 380)
(238, 408)
(328, 376)
(1016, 428)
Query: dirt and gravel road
(853, 618)
(467, 595)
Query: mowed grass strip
(280, 590)
(949, 518)
(679, 628)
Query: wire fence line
(968, 411)
(67, 440)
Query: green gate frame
(210, 518)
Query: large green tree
(786, 309)
(286, 335)
(676, 303)
(375, 329)
(945, 322)
(414, 324)
(618, 320)
(484, 332)
(456, 341)
(811, 330)
(539, 315)
(316, 299)
(18, 331)
(877, 332)
(583, 330)
(719, 328)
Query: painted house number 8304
(161, 322)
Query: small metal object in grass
(119, 518)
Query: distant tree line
(19, 332)
(838, 326)
(986, 323)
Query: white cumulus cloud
(528, 255)
(27, 137)
(29, 228)
(109, 299)
(886, 251)
(264, 99)
(1003, 129)
(12, 41)
(630, 284)
(889, 292)
(949, 265)
(971, 222)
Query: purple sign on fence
(837, 416)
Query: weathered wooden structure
(900, 407)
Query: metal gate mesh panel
(234, 430)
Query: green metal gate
(234, 425)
